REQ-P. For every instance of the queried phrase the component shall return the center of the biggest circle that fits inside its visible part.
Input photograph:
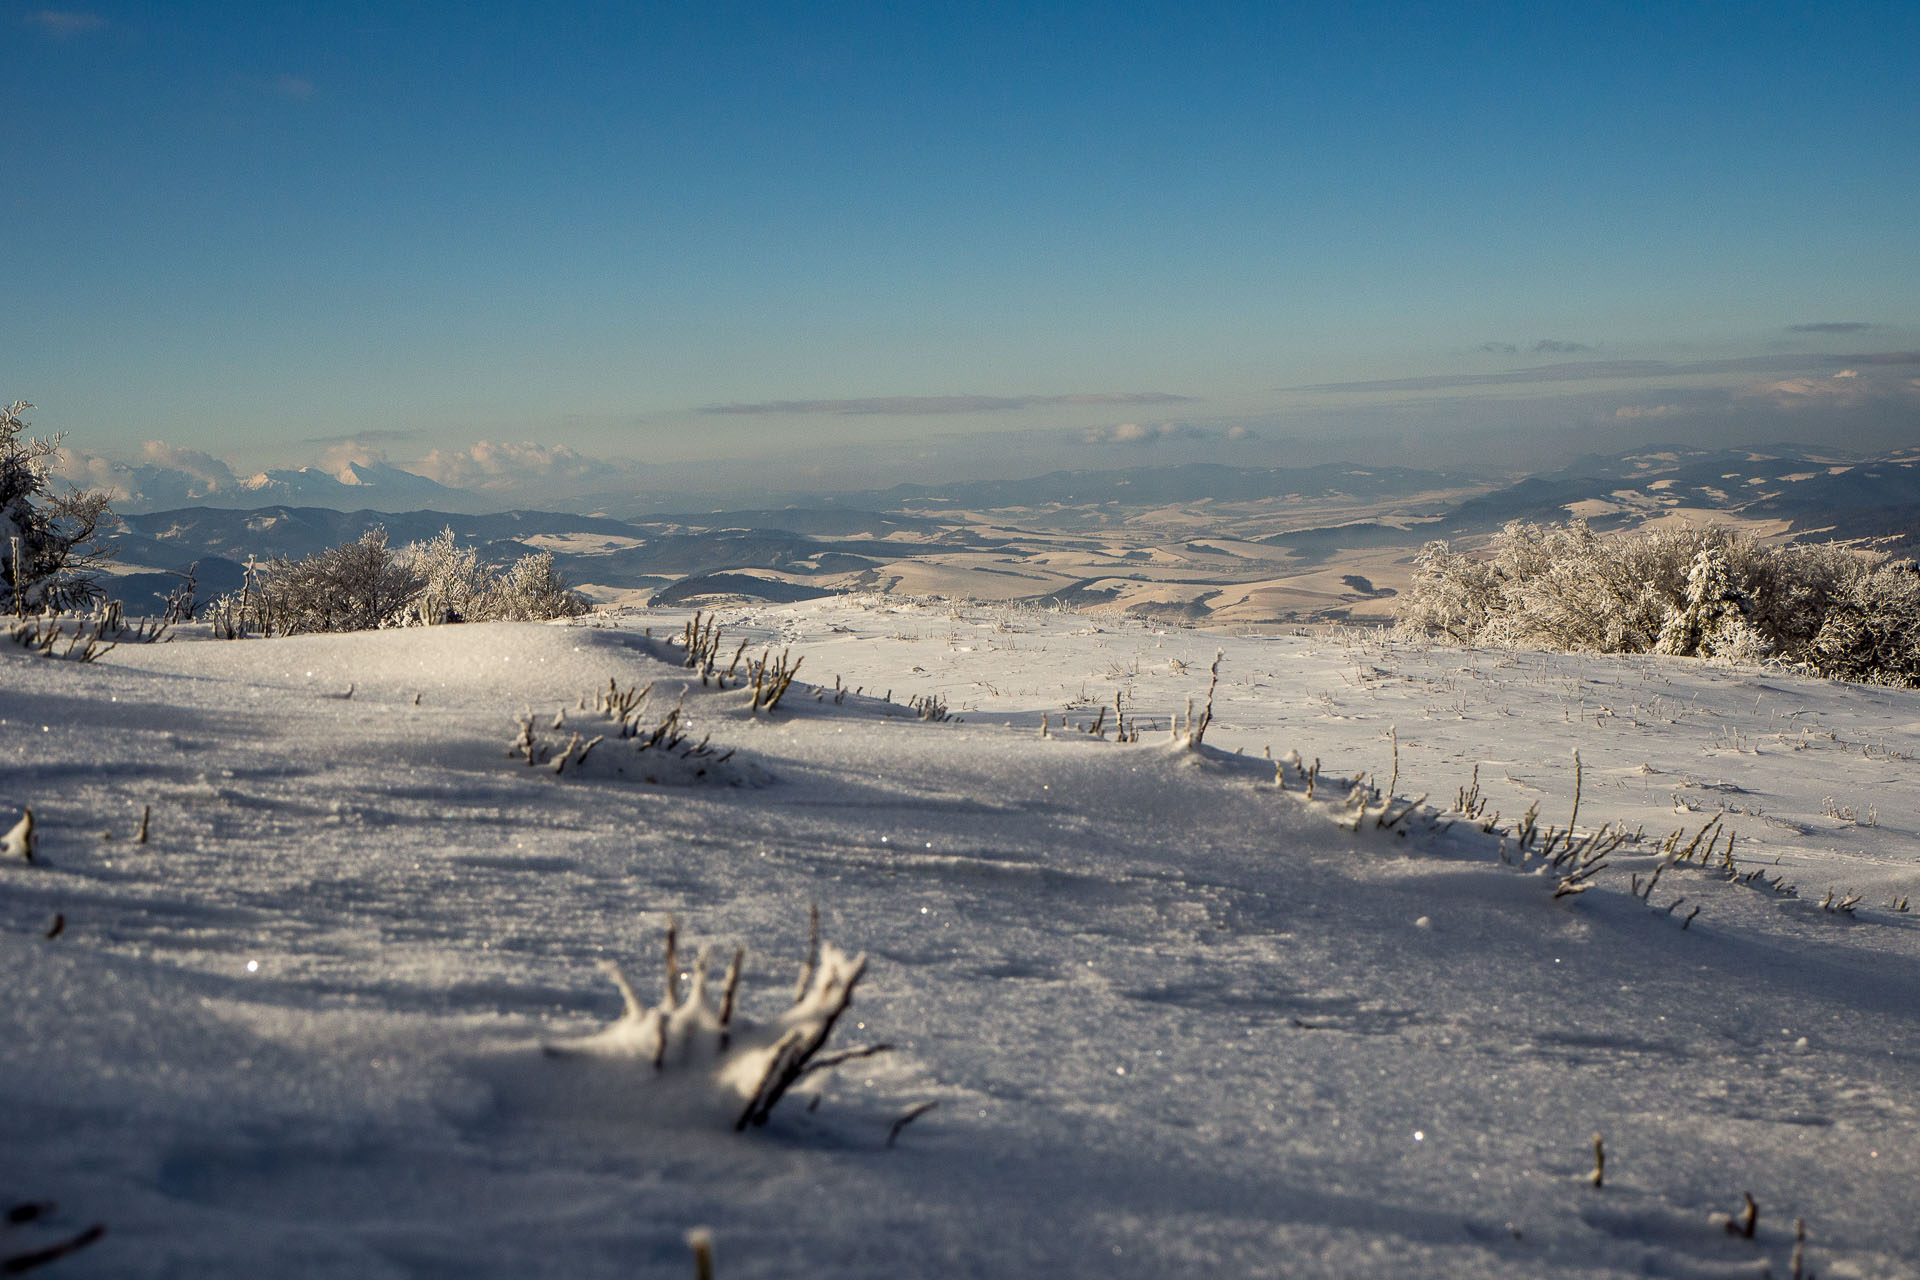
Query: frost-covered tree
(48, 559)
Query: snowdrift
(346, 1009)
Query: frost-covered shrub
(1711, 620)
(1705, 592)
(454, 582)
(1561, 586)
(1872, 632)
(459, 588)
(353, 587)
(47, 554)
(532, 590)
(365, 584)
(1452, 595)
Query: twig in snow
(1575, 815)
(845, 1055)
(1749, 1218)
(673, 960)
(730, 988)
(812, 960)
(14, 1264)
(907, 1117)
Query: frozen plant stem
(700, 1240)
(673, 960)
(13, 1264)
(1749, 1218)
(1393, 781)
(1578, 777)
(1599, 1177)
(21, 841)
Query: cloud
(293, 88)
(1848, 388)
(1242, 433)
(1545, 346)
(90, 471)
(1883, 357)
(1629, 412)
(204, 467)
(491, 467)
(918, 405)
(363, 437)
(1586, 370)
(336, 458)
(162, 477)
(1831, 326)
(1139, 434)
(65, 24)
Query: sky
(859, 242)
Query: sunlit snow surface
(1176, 1021)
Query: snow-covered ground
(1176, 1019)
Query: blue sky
(257, 229)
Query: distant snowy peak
(374, 485)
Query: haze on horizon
(523, 248)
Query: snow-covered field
(1176, 1019)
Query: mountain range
(1087, 536)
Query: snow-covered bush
(1712, 619)
(1693, 592)
(454, 582)
(1872, 632)
(459, 588)
(47, 553)
(365, 584)
(1452, 595)
(531, 590)
(356, 586)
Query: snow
(346, 1011)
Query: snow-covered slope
(1176, 1019)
